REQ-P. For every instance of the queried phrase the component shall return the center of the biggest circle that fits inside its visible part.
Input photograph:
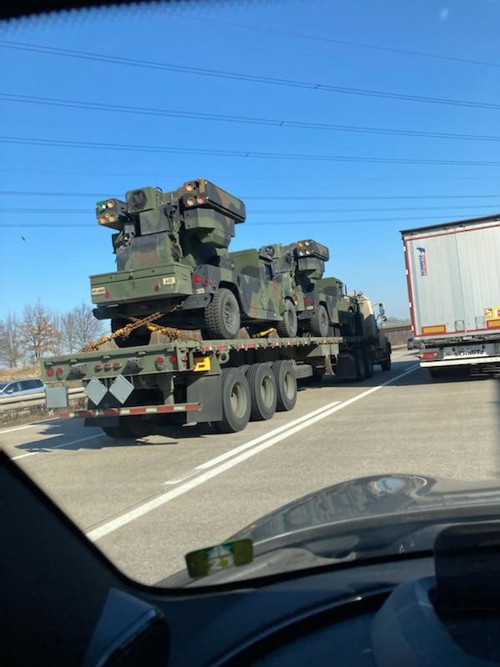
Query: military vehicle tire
(367, 357)
(263, 392)
(222, 316)
(386, 363)
(287, 328)
(236, 401)
(134, 339)
(360, 364)
(320, 323)
(286, 385)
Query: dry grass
(32, 371)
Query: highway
(146, 503)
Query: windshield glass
(202, 212)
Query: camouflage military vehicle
(319, 303)
(172, 257)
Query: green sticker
(206, 561)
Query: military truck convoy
(239, 328)
(172, 259)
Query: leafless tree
(11, 351)
(38, 332)
(79, 327)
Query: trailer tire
(263, 392)
(320, 323)
(222, 316)
(135, 338)
(288, 326)
(236, 401)
(286, 385)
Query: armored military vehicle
(172, 258)
(319, 306)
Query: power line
(247, 120)
(370, 210)
(343, 42)
(276, 224)
(232, 177)
(24, 193)
(243, 154)
(221, 74)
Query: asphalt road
(146, 503)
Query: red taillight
(428, 355)
(50, 372)
(200, 199)
(196, 279)
(173, 359)
(98, 367)
(107, 294)
(117, 365)
(206, 282)
(107, 366)
(59, 372)
(157, 287)
(159, 362)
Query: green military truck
(174, 266)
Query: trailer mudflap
(206, 391)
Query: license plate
(467, 351)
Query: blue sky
(302, 190)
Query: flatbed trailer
(133, 391)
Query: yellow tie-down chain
(136, 323)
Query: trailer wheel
(320, 322)
(263, 392)
(236, 401)
(124, 429)
(222, 315)
(288, 327)
(135, 338)
(286, 385)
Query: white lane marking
(17, 428)
(247, 445)
(266, 436)
(145, 508)
(44, 450)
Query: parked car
(17, 388)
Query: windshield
(202, 212)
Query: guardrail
(32, 400)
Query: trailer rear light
(98, 367)
(50, 372)
(159, 362)
(196, 279)
(107, 294)
(117, 365)
(157, 287)
(107, 366)
(60, 372)
(427, 356)
(206, 282)
(173, 359)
